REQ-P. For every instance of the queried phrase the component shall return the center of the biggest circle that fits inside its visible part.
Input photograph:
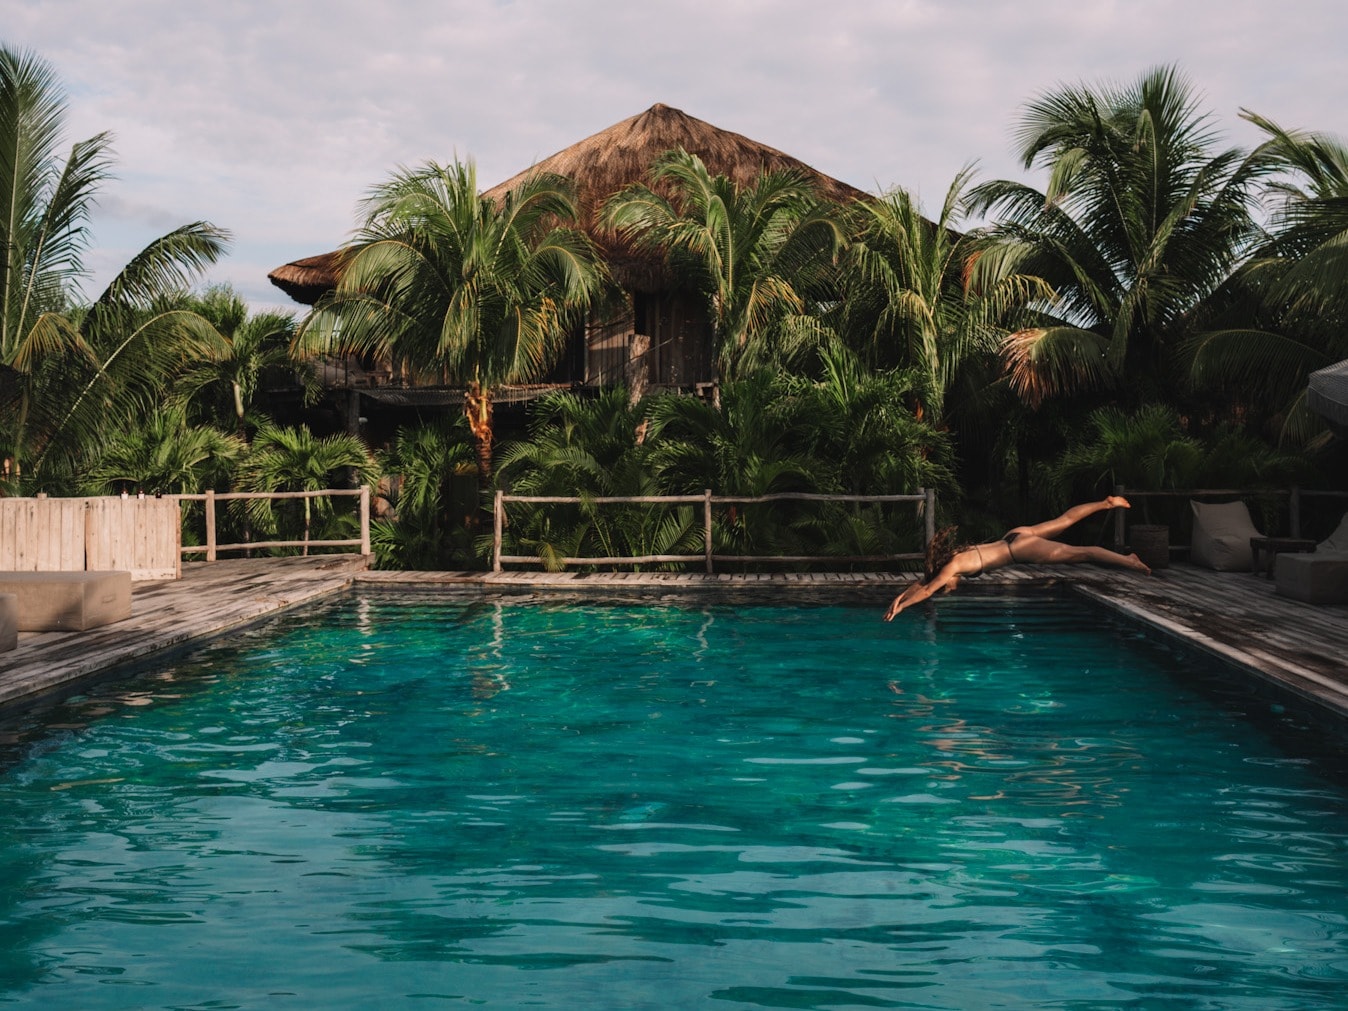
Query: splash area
(1004, 803)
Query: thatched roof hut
(601, 165)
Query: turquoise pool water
(1013, 804)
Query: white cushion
(1337, 541)
(1221, 538)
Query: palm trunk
(19, 435)
(478, 409)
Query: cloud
(273, 120)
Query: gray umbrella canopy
(1327, 392)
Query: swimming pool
(1017, 803)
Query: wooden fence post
(210, 525)
(1119, 533)
(1294, 511)
(706, 527)
(929, 507)
(497, 522)
(365, 519)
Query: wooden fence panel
(141, 535)
(42, 535)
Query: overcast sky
(272, 119)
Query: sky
(273, 119)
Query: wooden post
(365, 519)
(706, 527)
(1294, 511)
(929, 507)
(497, 522)
(353, 413)
(1119, 534)
(210, 525)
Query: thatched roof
(615, 158)
(603, 164)
(308, 279)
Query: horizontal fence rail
(1293, 495)
(925, 502)
(210, 498)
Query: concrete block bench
(68, 601)
(9, 621)
(1315, 578)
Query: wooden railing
(925, 502)
(1293, 495)
(211, 548)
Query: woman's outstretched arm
(915, 593)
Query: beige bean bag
(1221, 538)
(1337, 542)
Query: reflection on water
(1011, 804)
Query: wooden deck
(209, 600)
(1236, 616)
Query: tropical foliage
(285, 459)
(1126, 318)
(1285, 312)
(1142, 219)
(750, 251)
(917, 294)
(223, 390)
(451, 283)
(431, 520)
(70, 372)
(773, 433)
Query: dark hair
(939, 552)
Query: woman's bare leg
(1036, 549)
(1073, 516)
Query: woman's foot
(1136, 563)
(1117, 502)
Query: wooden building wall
(679, 352)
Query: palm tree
(420, 466)
(1141, 220)
(294, 459)
(861, 419)
(1150, 448)
(1311, 226)
(1286, 312)
(580, 446)
(225, 387)
(590, 446)
(917, 294)
(749, 250)
(162, 453)
(66, 370)
(459, 286)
